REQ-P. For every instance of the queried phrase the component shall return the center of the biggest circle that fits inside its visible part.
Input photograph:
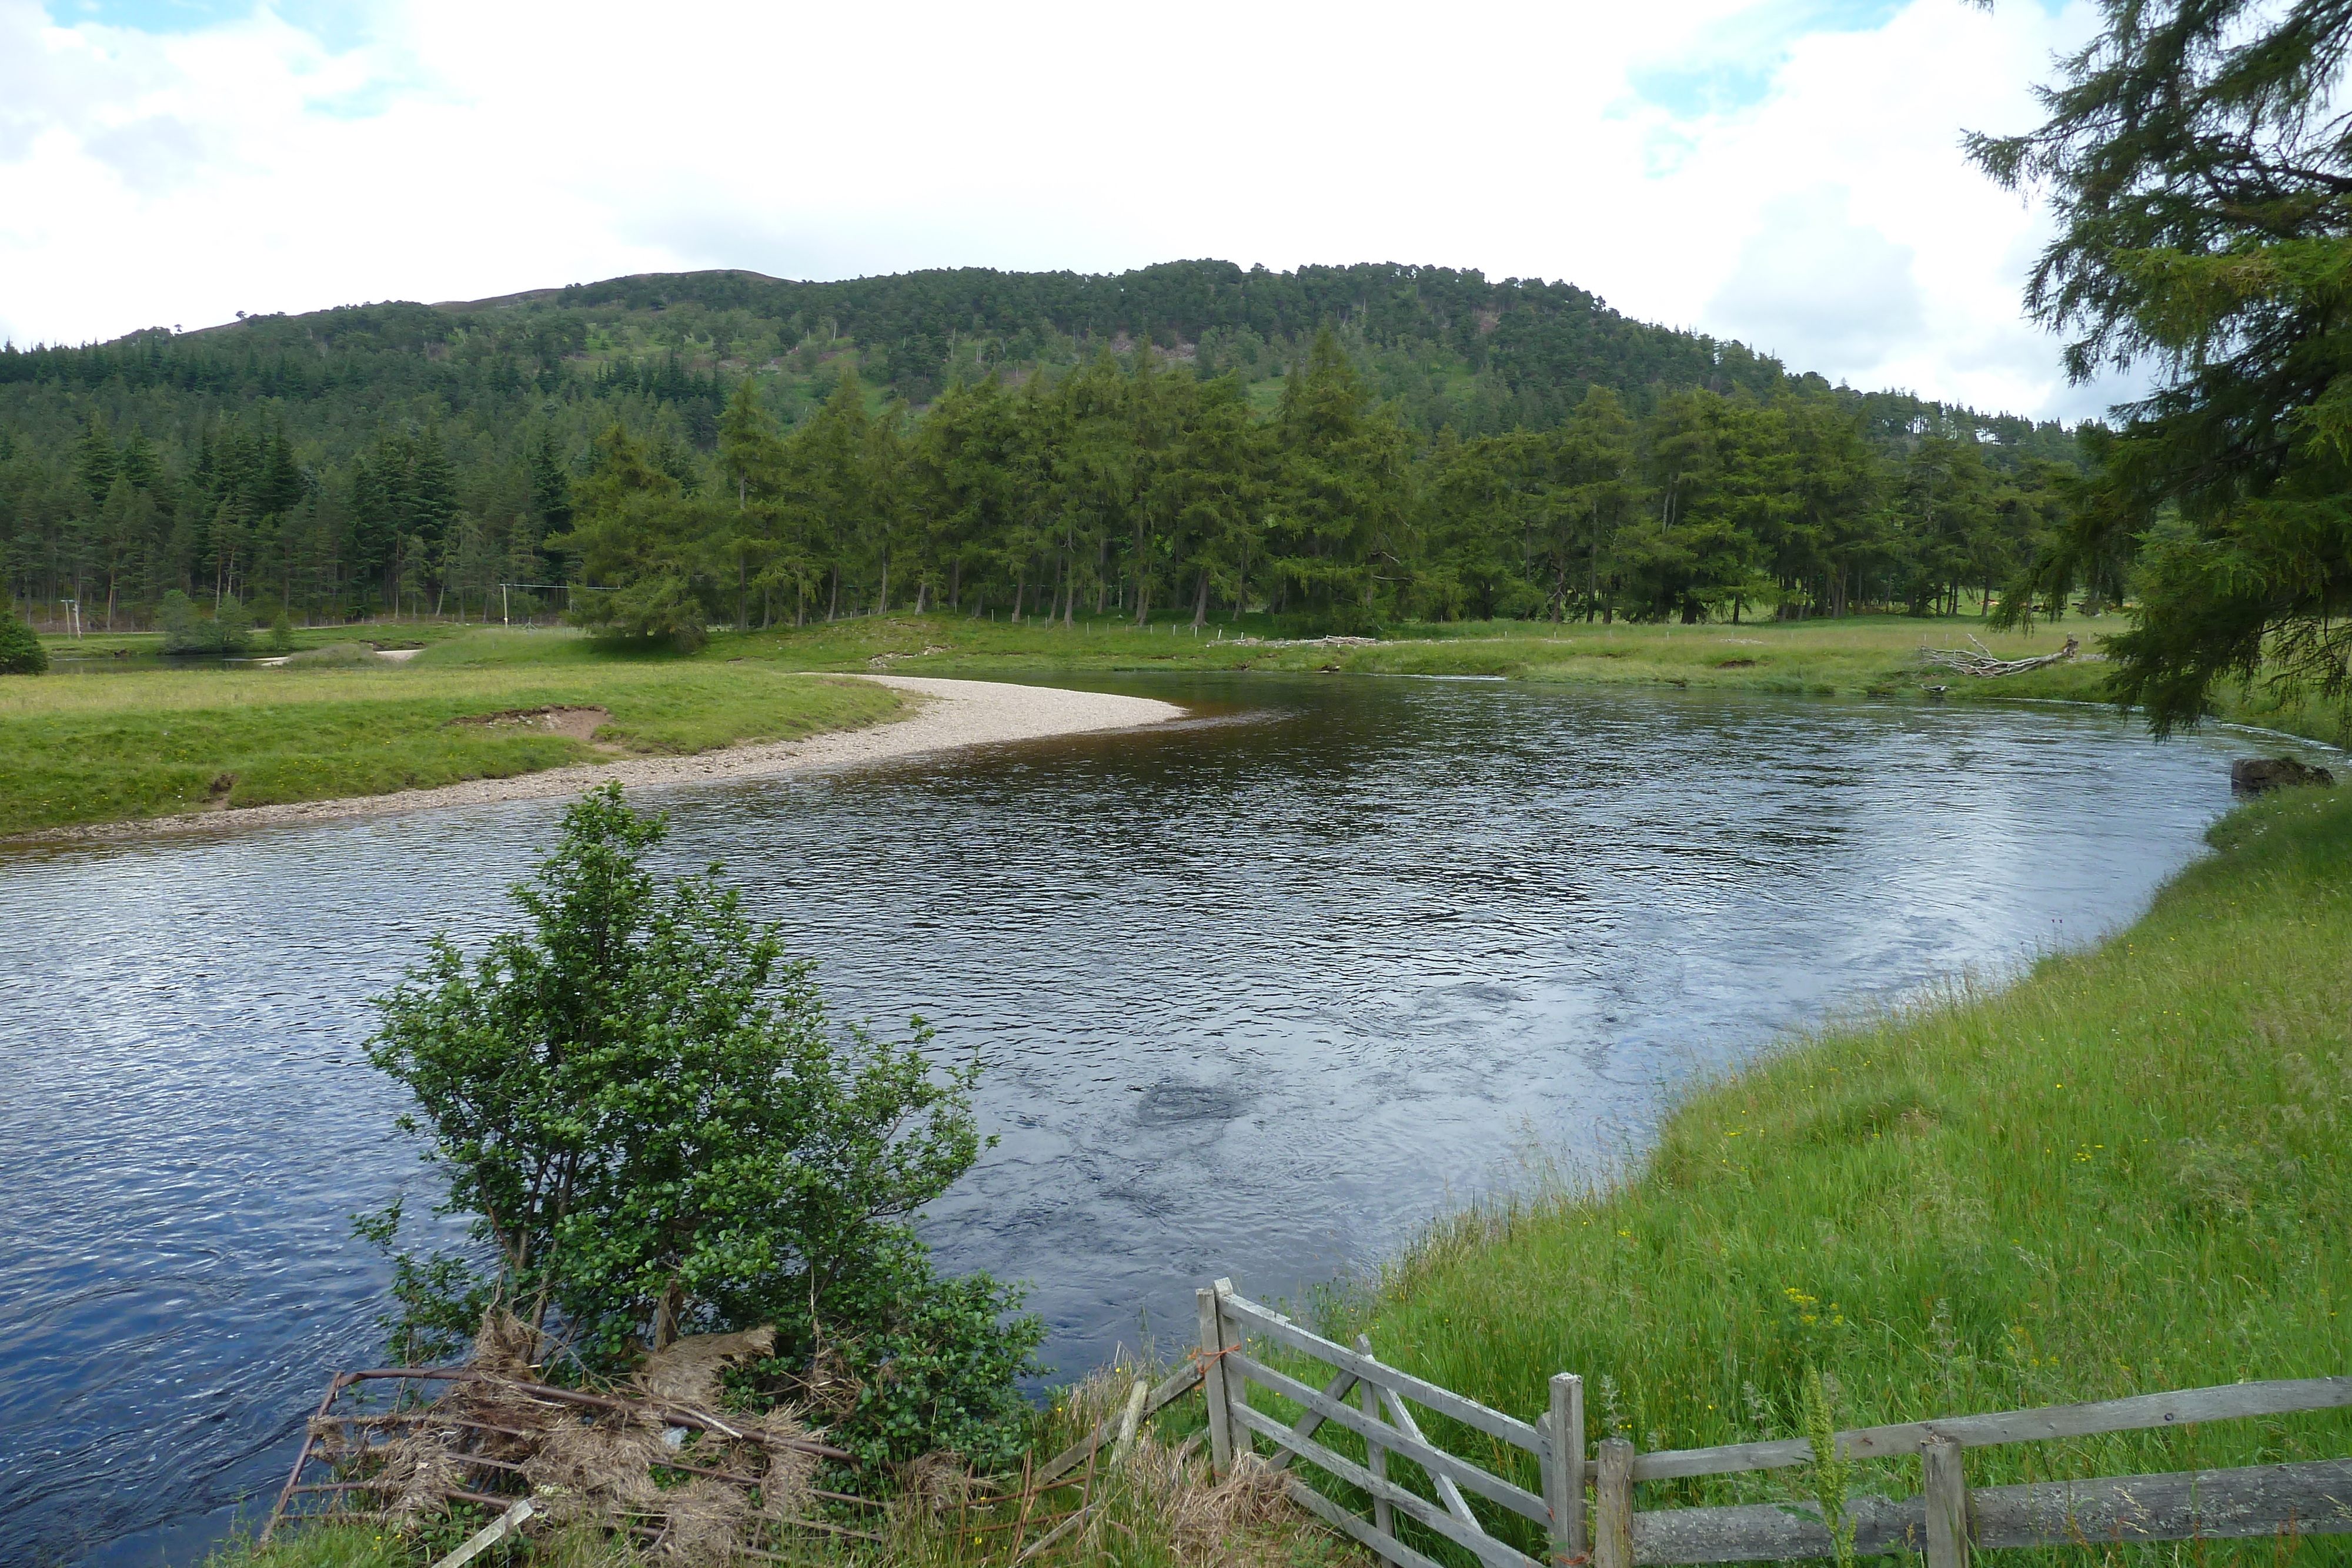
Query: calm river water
(1264, 990)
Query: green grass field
(145, 743)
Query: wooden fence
(1944, 1521)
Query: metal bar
(302, 1457)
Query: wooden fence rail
(1943, 1523)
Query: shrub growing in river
(655, 1129)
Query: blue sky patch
(1733, 68)
(339, 24)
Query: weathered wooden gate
(1944, 1521)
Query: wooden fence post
(1376, 1458)
(1613, 1506)
(1229, 1337)
(1213, 1383)
(1944, 1487)
(1564, 1469)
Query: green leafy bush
(229, 630)
(21, 652)
(656, 1129)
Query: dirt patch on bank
(573, 723)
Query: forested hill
(1447, 348)
(350, 459)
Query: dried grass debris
(622, 1464)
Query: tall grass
(2129, 1172)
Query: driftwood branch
(668, 1413)
(1983, 662)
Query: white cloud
(1823, 291)
(1681, 159)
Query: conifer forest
(1344, 447)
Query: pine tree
(2200, 181)
(95, 462)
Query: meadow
(142, 743)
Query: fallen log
(1983, 663)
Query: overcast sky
(1787, 173)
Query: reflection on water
(1263, 991)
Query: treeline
(1131, 488)
(410, 457)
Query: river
(1263, 989)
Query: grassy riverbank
(1865, 657)
(2128, 1172)
(147, 743)
(143, 742)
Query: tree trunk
(882, 604)
(1200, 601)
